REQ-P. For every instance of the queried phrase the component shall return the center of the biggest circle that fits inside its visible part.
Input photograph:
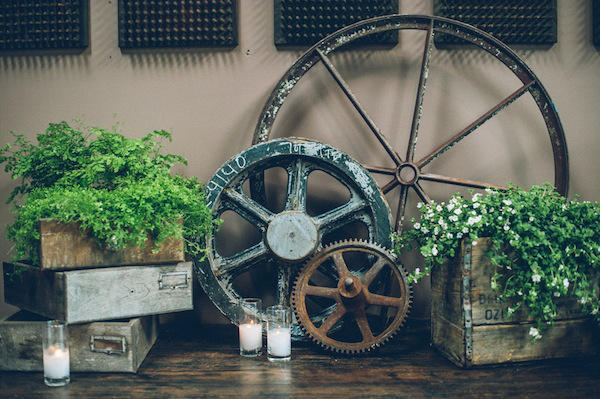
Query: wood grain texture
(496, 337)
(196, 361)
(63, 246)
(78, 296)
(21, 343)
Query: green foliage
(119, 189)
(543, 246)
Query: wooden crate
(63, 246)
(106, 346)
(78, 296)
(471, 327)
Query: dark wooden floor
(197, 361)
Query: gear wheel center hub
(407, 173)
(292, 236)
(351, 290)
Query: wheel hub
(407, 173)
(292, 236)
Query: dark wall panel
(523, 22)
(177, 23)
(302, 23)
(44, 25)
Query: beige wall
(211, 100)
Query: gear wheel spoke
(358, 263)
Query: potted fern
(116, 193)
(527, 259)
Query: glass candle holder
(56, 354)
(250, 327)
(279, 337)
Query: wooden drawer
(106, 346)
(470, 326)
(63, 246)
(78, 296)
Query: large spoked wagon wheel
(291, 235)
(408, 171)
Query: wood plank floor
(194, 361)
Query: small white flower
(476, 197)
(417, 271)
(459, 235)
(476, 205)
(533, 293)
(424, 230)
(556, 294)
(564, 207)
(473, 220)
(535, 333)
(434, 250)
(531, 218)
(436, 230)
(506, 227)
(450, 206)
(441, 221)
(536, 278)
(595, 311)
(438, 208)
(419, 205)
(494, 285)
(520, 293)
(457, 211)
(513, 211)
(450, 235)
(561, 267)
(499, 217)
(510, 310)
(583, 301)
(474, 243)
(453, 218)
(507, 202)
(465, 230)
(566, 282)
(417, 225)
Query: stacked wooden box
(110, 300)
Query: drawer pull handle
(107, 344)
(173, 280)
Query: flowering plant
(543, 246)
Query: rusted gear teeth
(351, 296)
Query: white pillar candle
(279, 342)
(56, 362)
(250, 336)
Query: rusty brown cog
(356, 281)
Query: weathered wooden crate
(78, 296)
(63, 246)
(471, 327)
(106, 346)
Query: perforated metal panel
(43, 25)
(596, 22)
(177, 23)
(525, 22)
(301, 23)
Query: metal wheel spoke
(284, 275)
(460, 182)
(324, 292)
(339, 216)
(346, 89)
(474, 125)
(296, 186)
(389, 186)
(242, 261)
(382, 300)
(340, 264)
(421, 193)
(381, 170)
(414, 129)
(333, 318)
(363, 324)
(247, 208)
(370, 275)
(401, 208)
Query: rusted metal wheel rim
(352, 296)
(290, 236)
(408, 171)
